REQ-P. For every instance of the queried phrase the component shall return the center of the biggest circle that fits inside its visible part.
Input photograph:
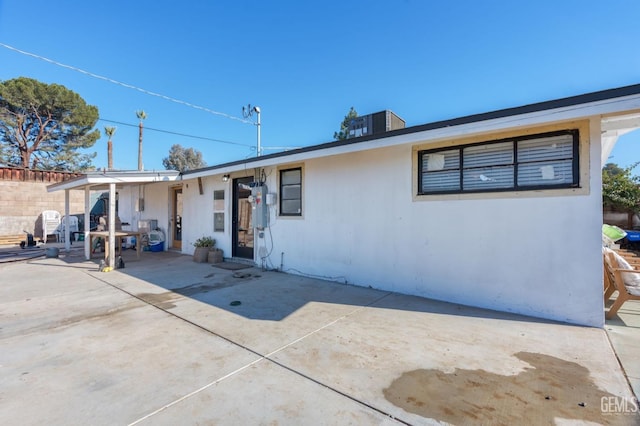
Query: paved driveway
(169, 341)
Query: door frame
(175, 220)
(239, 249)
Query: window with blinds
(291, 192)
(542, 161)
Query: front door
(176, 218)
(242, 227)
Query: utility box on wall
(259, 208)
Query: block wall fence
(23, 197)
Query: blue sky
(306, 63)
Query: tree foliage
(620, 188)
(183, 159)
(344, 126)
(42, 126)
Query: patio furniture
(50, 224)
(73, 227)
(119, 235)
(625, 280)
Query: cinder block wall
(22, 203)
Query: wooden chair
(609, 288)
(629, 254)
(632, 258)
(614, 275)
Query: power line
(176, 133)
(128, 86)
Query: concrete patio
(170, 341)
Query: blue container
(159, 246)
(633, 236)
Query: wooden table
(119, 235)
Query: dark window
(542, 161)
(291, 192)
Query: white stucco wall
(127, 204)
(533, 255)
(156, 205)
(530, 255)
(197, 214)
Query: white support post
(112, 225)
(67, 240)
(87, 222)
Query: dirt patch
(551, 389)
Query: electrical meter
(259, 208)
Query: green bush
(204, 242)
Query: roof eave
(118, 177)
(577, 107)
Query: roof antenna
(248, 112)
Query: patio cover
(101, 181)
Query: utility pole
(141, 116)
(248, 112)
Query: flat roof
(100, 180)
(588, 98)
(572, 107)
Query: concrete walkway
(170, 341)
(624, 333)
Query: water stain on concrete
(161, 300)
(551, 389)
(72, 320)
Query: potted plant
(203, 245)
(215, 255)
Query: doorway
(176, 218)
(242, 226)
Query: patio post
(67, 242)
(112, 225)
(87, 222)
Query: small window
(218, 210)
(291, 192)
(531, 162)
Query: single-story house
(501, 210)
